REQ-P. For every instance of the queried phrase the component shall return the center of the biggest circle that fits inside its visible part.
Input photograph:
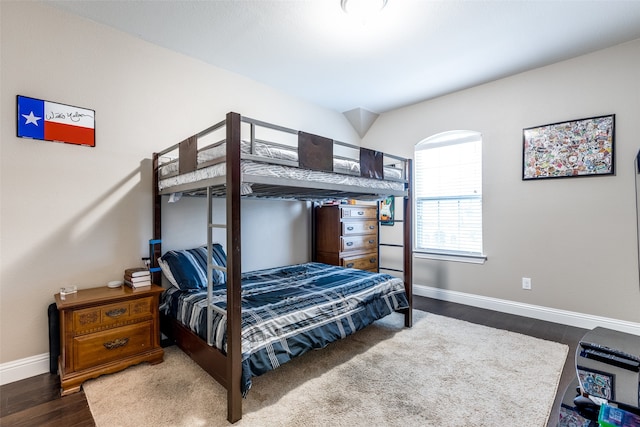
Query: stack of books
(137, 277)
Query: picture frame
(386, 211)
(569, 416)
(51, 121)
(575, 148)
(596, 383)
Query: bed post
(157, 225)
(408, 245)
(234, 271)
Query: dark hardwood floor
(36, 401)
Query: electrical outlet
(526, 283)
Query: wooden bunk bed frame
(226, 368)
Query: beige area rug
(441, 372)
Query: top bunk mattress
(271, 151)
(282, 163)
(252, 171)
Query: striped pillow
(187, 269)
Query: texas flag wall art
(49, 121)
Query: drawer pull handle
(372, 260)
(371, 241)
(116, 312)
(371, 227)
(349, 243)
(360, 212)
(117, 343)
(350, 265)
(350, 228)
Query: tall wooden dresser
(347, 235)
(105, 330)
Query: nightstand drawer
(141, 307)
(94, 319)
(363, 262)
(359, 243)
(98, 318)
(114, 344)
(359, 227)
(87, 319)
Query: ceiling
(412, 51)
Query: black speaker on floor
(54, 337)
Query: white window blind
(448, 194)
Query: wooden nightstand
(105, 330)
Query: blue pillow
(187, 269)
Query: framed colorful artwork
(570, 417)
(385, 211)
(575, 148)
(50, 121)
(596, 383)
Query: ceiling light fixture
(362, 9)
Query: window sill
(471, 259)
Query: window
(448, 194)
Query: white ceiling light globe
(362, 9)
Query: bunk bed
(243, 157)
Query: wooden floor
(36, 401)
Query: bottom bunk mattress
(287, 311)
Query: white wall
(77, 215)
(274, 232)
(574, 237)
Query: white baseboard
(24, 368)
(564, 317)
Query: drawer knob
(117, 343)
(360, 212)
(371, 227)
(371, 241)
(350, 228)
(116, 312)
(350, 265)
(372, 260)
(349, 243)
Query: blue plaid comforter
(287, 311)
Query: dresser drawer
(359, 212)
(97, 318)
(363, 262)
(111, 345)
(359, 243)
(359, 227)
